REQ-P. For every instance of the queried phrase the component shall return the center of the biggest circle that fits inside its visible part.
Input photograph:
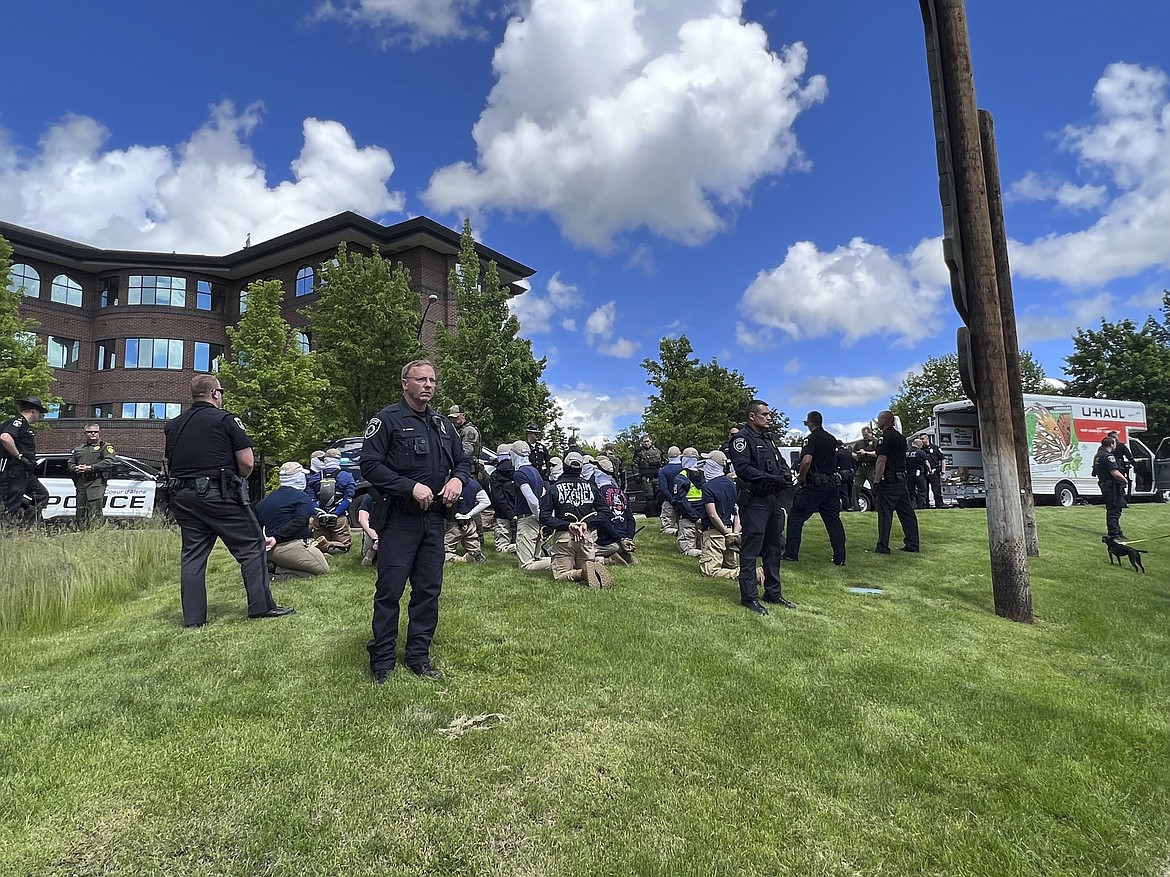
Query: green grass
(655, 729)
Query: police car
(130, 492)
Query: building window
(106, 358)
(207, 356)
(304, 342)
(66, 290)
(148, 289)
(26, 280)
(243, 301)
(103, 410)
(151, 410)
(210, 296)
(153, 353)
(64, 353)
(61, 409)
(306, 280)
(108, 292)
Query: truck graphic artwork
(1052, 438)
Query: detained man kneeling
(573, 515)
(284, 514)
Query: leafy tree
(272, 385)
(1121, 361)
(484, 366)
(365, 326)
(938, 381)
(629, 440)
(24, 365)
(696, 403)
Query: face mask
(317, 464)
(297, 480)
(711, 469)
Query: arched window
(303, 342)
(305, 281)
(25, 279)
(66, 290)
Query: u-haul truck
(1064, 434)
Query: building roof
(308, 241)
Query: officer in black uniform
(763, 474)
(18, 462)
(818, 492)
(917, 473)
(891, 491)
(845, 473)
(207, 459)
(938, 468)
(1113, 483)
(538, 454)
(414, 458)
(1124, 459)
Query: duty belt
(819, 480)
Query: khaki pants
(668, 519)
(717, 559)
(338, 535)
(528, 546)
(688, 538)
(569, 557)
(300, 558)
(614, 555)
(505, 535)
(463, 533)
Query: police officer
(1112, 481)
(90, 464)
(413, 456)
(207, 458)
(1124, 458)
(938, 468)
(763, 474)
(891, 492)
(845, 474)
(472, 440)
(818, 492)
(538, 454)
(917, 471)
(18, 463)
(864, 460)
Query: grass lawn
(655, 729)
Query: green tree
(271, 383)
(484, 366)
(365, 326)
(938, 381)
(629, 440)
(1121, 361)
(696, 403)
(24, 365)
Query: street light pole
(431, 299)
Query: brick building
(126, 330)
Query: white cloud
(599, 332)
(1034, 324)
(569, 324)
(536, 312)
(1127, 153)
(1033, 187)
(619, 114)
(595, 414)
(793, 366)
(622, 348)
(205, 196)
(857, 290)
(823, 393)
(420, 21)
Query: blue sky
(757, 175)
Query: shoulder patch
(739, 444)
(109, 449)
(372, 428)
(16, 422)
(1110, 458)
(239, 423)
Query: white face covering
(689, 462)
(711, 469)
(317, 464)
(517, 460)
(296, 480)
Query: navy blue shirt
(527, 475)
(722, 492)
(467, 497)
(284, 514)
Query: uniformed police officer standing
(1124, 458)
(18, 462)
(818, 492)
(90, 464)
(414, 458)
(891, 491)
(763, 474)
(1112, 481)
(864, 458)
(538, 454)
(208, 456)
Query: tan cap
(690, 452)
(316, 455)
(293, 468)
(333, 454)
(716, 456)
(521, 448)
(453, 410)
(574, 459)
(605, 464)
(673, 451)
(503, 449)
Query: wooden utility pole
(1011, 343)
(970, 254)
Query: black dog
(1116, 549)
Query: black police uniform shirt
(892, 446)
(844, 460)
(22, 436)
(403, 447)
(1105, 464)
(822, 447)
(203, 440)
(757, 460)
(915, 460)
